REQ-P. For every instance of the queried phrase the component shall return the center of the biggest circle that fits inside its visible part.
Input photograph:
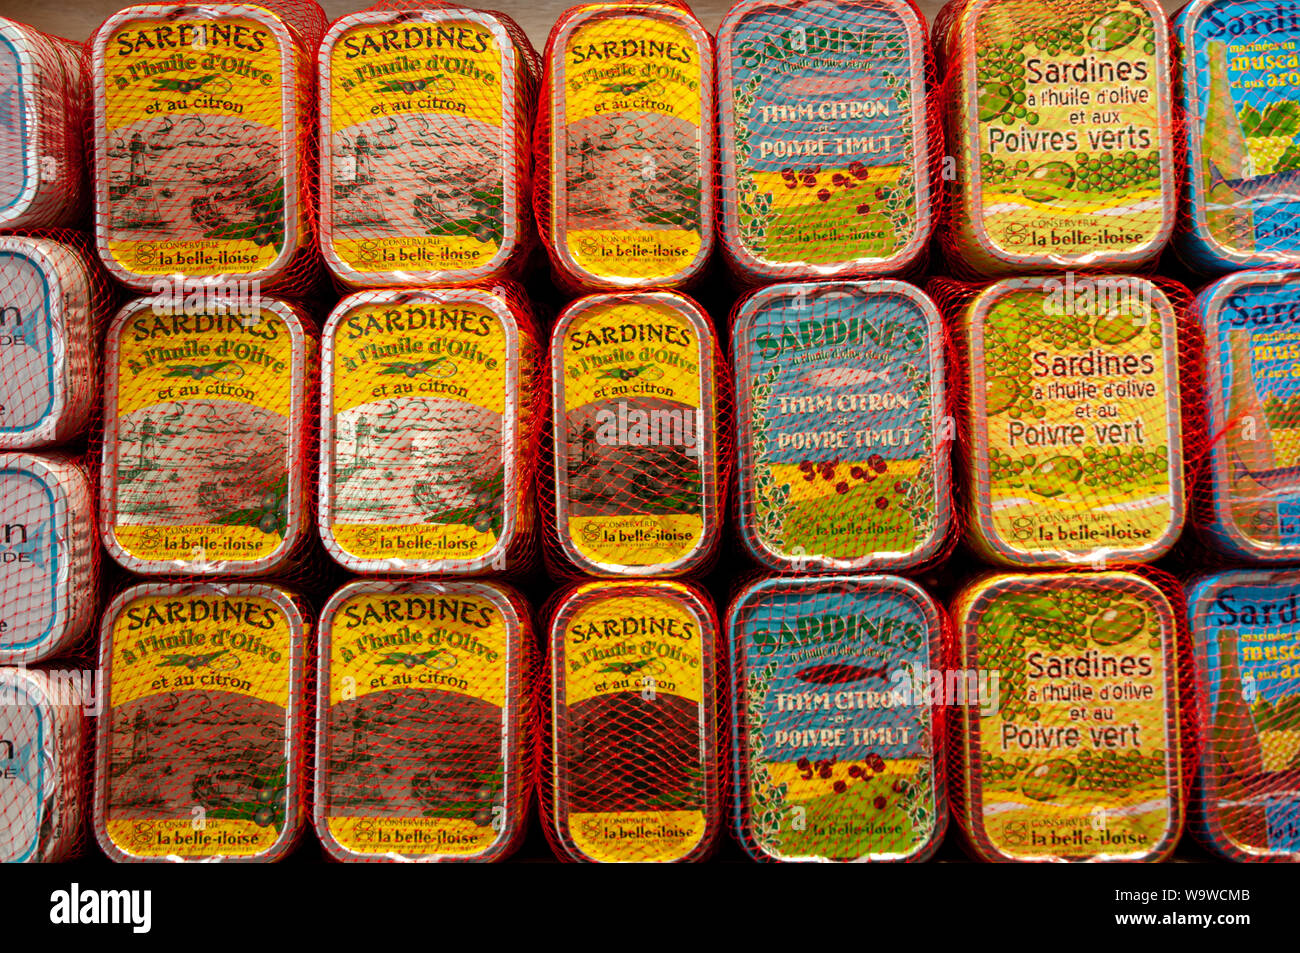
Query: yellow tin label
(423, 411)
(632, 109)
(417, 147)
(634, 697)
(199, 691)
(202, 443)
(192, 145)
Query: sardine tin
(841, 403)
(200, 746)
(868, 643)
(1085, 178)
(42, 737)
(41, 157)
(634, 417)
(204, 466)
(1043, 785)
(616, 231)
(210, 184)
(1098, 357)
(1252, 333)
(633, 760)
(1242, 187)
(47, 556)
(48, 352)
(824, 145)
(425, 419)
(1246, 638)
(414, 195)
(428, 683)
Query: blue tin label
(22, 773)
(27, 353)
(29, 566)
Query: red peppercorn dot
(898, 487)
(876, 761)
(806, 466)
(828, 471)
(879, 803)
(882, 194)
(859, 170)
(823, 195)
(841, 487)
(882, 503)
(840, 787)
(824, 771)
(855, 771)
(898, 787)
(877, 463)
(802, 764)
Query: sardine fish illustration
(626, 668)
(412, 659)
(199, 371)
(166, 84)
(443, 367)
(409, 85)
(649, 372)
(191, 662)
(627, 89)
(1277, 186)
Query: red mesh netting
(630, 749)
(624, 146)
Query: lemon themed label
(419, 170)
(195, 749)
(424, 403)
(1076, 420)
(630, 671)
(634, 419)
(200, 458)
(633, 143)
(1067, 132)
(195, 173)
(1081, 757)
(823, 139)
(421, 686)
(838, 389)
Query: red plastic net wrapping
(1061, 134)
(424, 728)
(203, 144)
(637, 451)
(1082, 744)
(624, 147)
(630, 751)
(426, 139)
(829, 143)
(1074, 445)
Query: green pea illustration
(1114, 30)
(1048, 182)
(1049, 781)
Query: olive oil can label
(634, 707)
(1070, 123)
(633, 115)
(418, 713)
(1080, 758)
(1078, 421)
(202, 440)
(824, 141)
(1244, 112)
(838, 432)
(198, 695)
(32, 359)
(422, 405)
(24, 779)
(636, 453)
(838, 751)
(32, 605)
(192, 145)
(417, 151)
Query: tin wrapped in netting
(839, 751)
(630, 743)
(1073, 441)
(426, 122)
(843, 426)
(1081, 741)
(1061, 134)
(637, 451)
(201, 746)
(203, 146)
(828, 144)
(625, 146)
(424, 727)
(431, 406)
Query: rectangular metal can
(1074, 752)
(47, 556)
(841, 419)
(423, 721)
(823, 138)
(634, 418)
(200, 143)
(205, 458)
(1062, 127)
(839, 753)
(427, 428)
(633, 751)
(1074, 423)
(425, 140)
(200, 748)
